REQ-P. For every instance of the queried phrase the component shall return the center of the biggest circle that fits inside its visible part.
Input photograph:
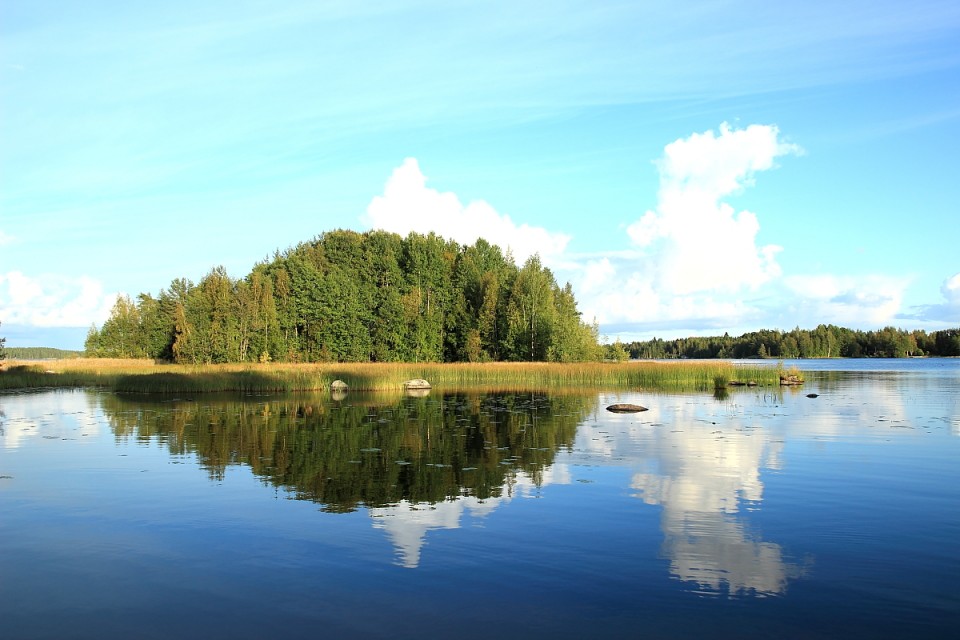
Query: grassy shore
(144, 376)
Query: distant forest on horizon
(825, 341)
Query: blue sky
(691, 168)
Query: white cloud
(702, 244)
(695, 267)
(407, 204)
(847, 300)
(945, 314)
(408, 523)
(53, 300)
(695, 255)
(6, 238)
(951, 290)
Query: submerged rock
(813, 395)
(626, 408)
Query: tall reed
(146, 377)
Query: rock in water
(416, 383)
(626, 408)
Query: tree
(947, 342)
(120, 336)
(382, 252)
(3, 352)
(428, 262)
(572, 340)
(531, 312)
(616, 352)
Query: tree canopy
(825, 341)
(358, 297)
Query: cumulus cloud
(694, 254)
(53, 301)
(408, 204)
(694, 265)
(702, 243)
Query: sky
(690, 168)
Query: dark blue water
(765, 514)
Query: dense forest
(358, 297)
(40, 353)
(826, 341)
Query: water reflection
(367, 451)
(415, 463)
(705, 477)
(701, 463)
(66, 415)
(407, 524)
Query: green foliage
(352, 297)
(616, 352)
(38, 353)
(825, 341)
(3, 353)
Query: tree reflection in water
(366, 450)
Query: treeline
(40, 353)
(826, 341)
(352, 297)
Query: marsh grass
(144, 376)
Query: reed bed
(144, 376)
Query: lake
(765, 513)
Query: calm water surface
(763, 514)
